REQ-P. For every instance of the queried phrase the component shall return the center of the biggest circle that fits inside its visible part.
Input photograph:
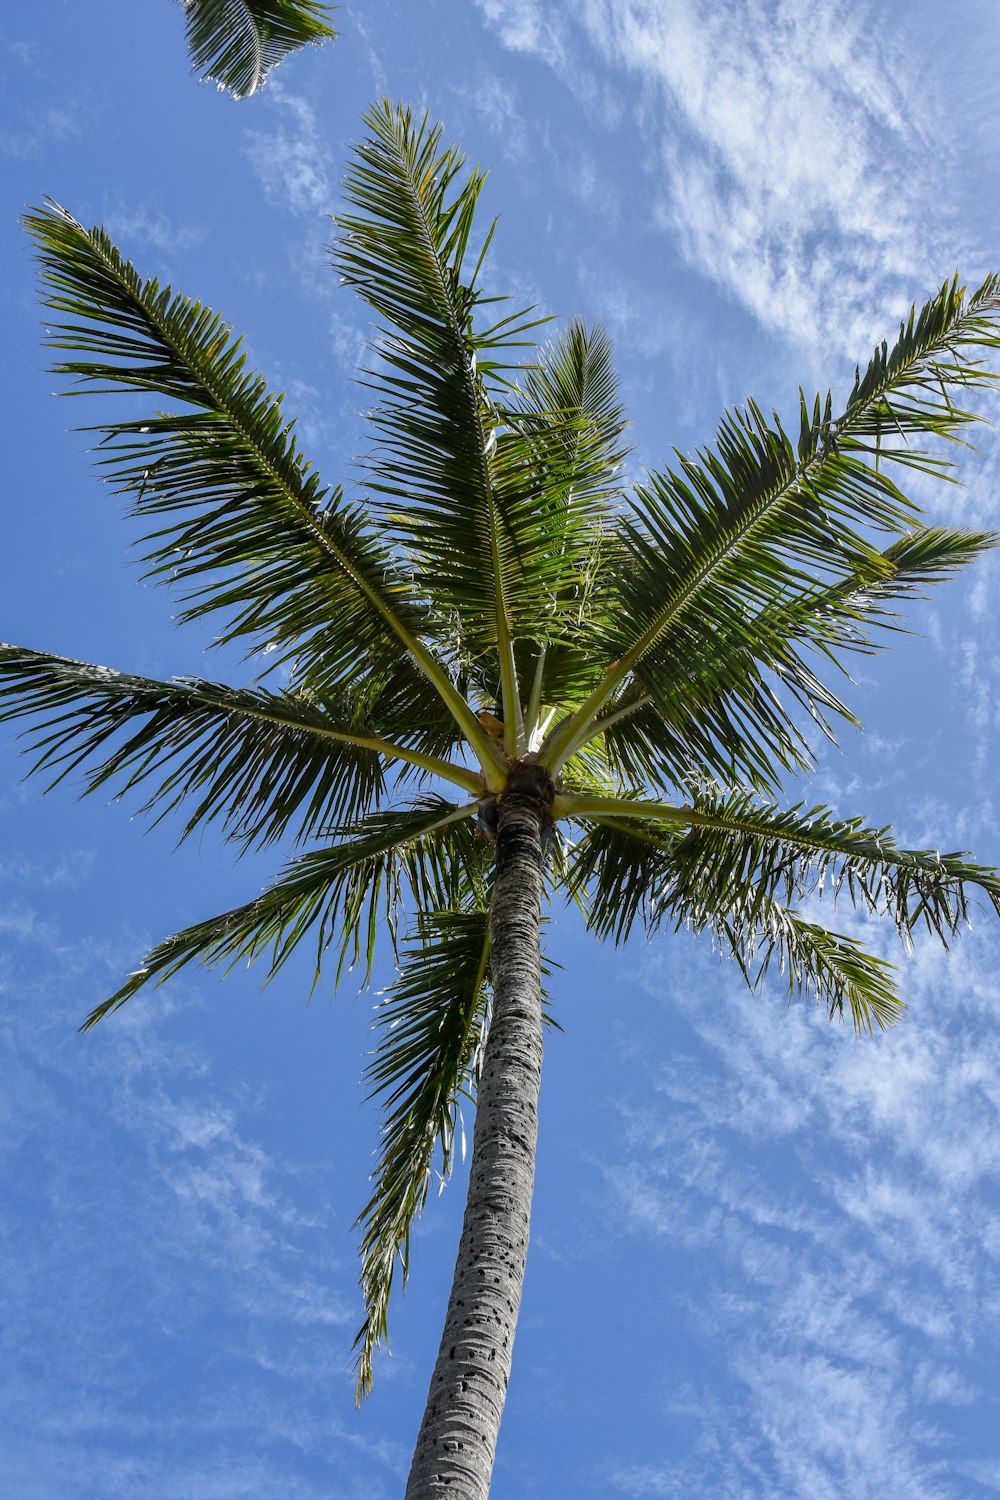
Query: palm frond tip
(236, 43)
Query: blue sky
(766, 1255)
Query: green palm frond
(852, 614)
(737, 869)
(240, 520)
(653, 861)
(836, 969)
(432, 1025)
(490, 490)
(423, 857)
(729, 700)
(567, 403)
(737, 530)
(573, 388)
(236, 43)
(405, 251)
(843, 616)
(575, 376)
(734, 842)
(267, 765)
(627, 871)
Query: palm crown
(501, 610)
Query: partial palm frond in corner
(236, 43)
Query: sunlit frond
(421, 858)
(692, 860)
(725, 542)
(488, 490)
(836, 969)
(791, 853)
(405, 250)
(236, 43)
(266, 765)
(568, 404)
(237, 517)
(729, 699)
(571, 395)
(728, 865)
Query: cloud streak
(837, 1202)
(185, 1282)
(789, 148)
(290, 158)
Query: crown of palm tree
(501, 609)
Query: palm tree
(501, 675)
(236, 43)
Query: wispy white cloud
(25, 52)
(20, 920)
(38, 129)
(528, 26)
(165, 1216)
(498, 104)
(68, 868)
(291, 158)
(348, 339)
(147, 225)
(788, 148)
(839, 1199)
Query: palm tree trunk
(457, 1441)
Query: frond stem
(531, 722)
(471, 781)
(583, 805)
(597, 727)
